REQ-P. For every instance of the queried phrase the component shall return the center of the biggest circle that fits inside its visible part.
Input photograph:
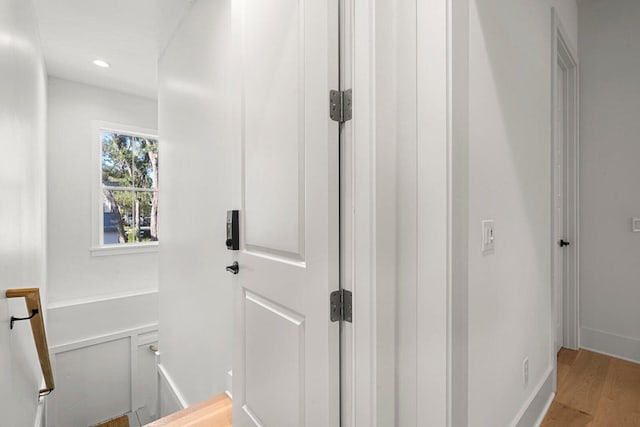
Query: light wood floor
(215, 412)
(595, 390)
(122, 421)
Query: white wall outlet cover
(635, 225)
(488, 236)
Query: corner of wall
(536, 407)
(170, 398)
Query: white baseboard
(625, 348)
(536, 407)
(166, 383)
(40, 412)
(229, 390)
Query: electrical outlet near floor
(525, 371)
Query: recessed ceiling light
(100, 63)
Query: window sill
(125, 249)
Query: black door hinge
(341, 306)
(341, 105)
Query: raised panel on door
(286, 349)
(274, 127)
(275, 354)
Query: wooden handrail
(32, 299)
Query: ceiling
(128, 34)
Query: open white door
(286, 349)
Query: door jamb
(563, 52)
(371, 217)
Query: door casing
(564, 56)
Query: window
(128, 188)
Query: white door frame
(563, 54)
(371, 365)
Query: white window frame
(98, 248)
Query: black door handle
(233, 268)
(564, 243)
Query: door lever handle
(564, 243)
(233, 268)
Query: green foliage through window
(130, 188)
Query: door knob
(233, 268)
(564, 243)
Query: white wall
(509, 181)
(610, 148)
(73, 272)
(97, 304)
(23, 206)
(194, 124)
(499, 98)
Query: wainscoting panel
(103, 353)
(93, 384)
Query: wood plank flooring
(215, 412)
(595, 390)
(122, 421)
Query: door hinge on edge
(341, 306)
(341, 105)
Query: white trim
(563, 52)
(229, 389)
(545, 410)
(101, 339)
(364, 344)
(458, 215)
(370, 144)
(164, 375)
(133, 362)
(124, 128)
(40, 409)
(535, 408)
(136, 340)
(92, 300)
(347, 398)
(125, 249)
(618, 346)
(97, 247)
(433, 159)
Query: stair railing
(34, 307)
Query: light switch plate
(488, 237)
(635, 225)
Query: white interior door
(559, 203)
(286, 349)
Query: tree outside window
(129, 187)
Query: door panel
(274, 128)
(274, 361)
(286, 349)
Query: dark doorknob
(564, 243)
(233, 268)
